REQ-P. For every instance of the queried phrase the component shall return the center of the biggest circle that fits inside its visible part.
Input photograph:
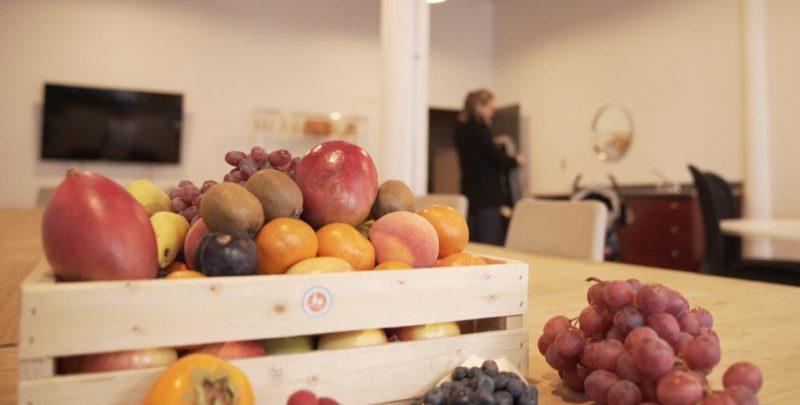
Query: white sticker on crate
(317, 301)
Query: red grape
(701, 352)
(207, 185)
(615, 334)
(587, 355)
(689, 323)
(703, 317)
(665, 325)
(234, 157)
(175, 193)
(679, 388)
(742, 395)
(649, 389)
(185, 183)
(556, 360)
(635, 284)
(638, 334)
(627, 369)
(189, 213)
(680, 343)
(573, 379)
(259, 154)
(596, 293)
(248, 171)
(556, 324)
(718, 398)
(703, 331)
(598, 383)
(653, 356)
(628, 318)
(544, 342)
(653, 298)
(178, 204)
(618, 294)
(593, 321)
(624, 392)
(743, 373)
(677, 305)
(189, 193)
(606, 354)
(280, 158)
(569, 342)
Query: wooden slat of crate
(90, 317)
(356, 376)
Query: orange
(451, 228)
(185, 274)
(346, 242)
(283, 242)
(176, 266)
(461, 259)
(393, 265)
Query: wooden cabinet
(662, 230)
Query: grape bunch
(186, 198)
(485, 385)
(245, 165)
(639, 343)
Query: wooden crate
(61, 319)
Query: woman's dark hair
(471, 101)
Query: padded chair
(723, 253)
(457, 201)
(573, 229)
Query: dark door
(444, 174)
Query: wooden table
(774, 228)
(756, 322)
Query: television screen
(81, 123)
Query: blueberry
(516, 388)
(484, 382)
(503, 398)
(460, 373)
(434, 397)
(485, 398)
(500, 381)
(474, 372)
(530, 397)
(460, 397)
(490, 367)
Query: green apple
(429, 331)
(356, 338)
(289, 345)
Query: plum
(222, 254)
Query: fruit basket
(64, 319)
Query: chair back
(573, 229)
(459, 202)
(717, 203)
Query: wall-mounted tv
(83, 123)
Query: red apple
(115, 361)
(339, 184)
(303, 397)
(192, 241)
(93, 229)
(429, 331)
(232, 350)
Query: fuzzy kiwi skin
(393, 195)
(279, 195)
(230, 208)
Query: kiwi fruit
(393, 195)
(230, 208)
(279, 195)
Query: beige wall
(783, 65)
(462, 47)
(227, 58)
(674, 64)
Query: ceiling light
(436, 1)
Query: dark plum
(222, 254)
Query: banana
(150, 196)
(171, 230)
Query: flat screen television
(82, 123)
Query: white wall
(228, 59)
(674, 64)
(783, 64)
(462, 46)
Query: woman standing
(483, 167)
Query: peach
(405, 236)
(192, 241)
